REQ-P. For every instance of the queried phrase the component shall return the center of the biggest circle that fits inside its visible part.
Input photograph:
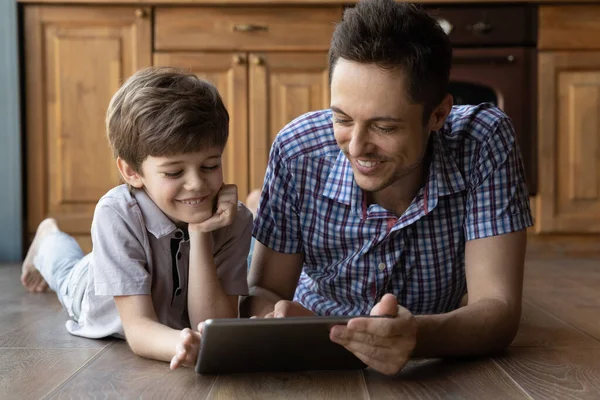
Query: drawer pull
(249, 28)
(237, 59)
(257, 60)
(140, 13)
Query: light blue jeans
(58, 260)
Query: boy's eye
(172, 174)
(211, 167)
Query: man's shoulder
(310, 134)
(476, 124)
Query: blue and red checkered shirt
(354, 253)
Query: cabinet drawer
(245, 28)
(569, 27)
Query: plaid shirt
(354, 253)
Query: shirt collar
(444, 179)
(157, 223)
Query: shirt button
(381, 266)
(178, 234)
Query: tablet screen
(272, 344)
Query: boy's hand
(227, 200)
(186, 351)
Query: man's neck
(397, 197)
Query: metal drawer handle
(480, 28)
(249, 28)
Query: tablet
(272, 345)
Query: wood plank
(299, 385)
(32, 373)
(439, 379)
(47, 332)
(119, 373)
(540, 328)
(555, 373)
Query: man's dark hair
(400, 36)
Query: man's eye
(385, 129)
(172, 174)
(340, 121)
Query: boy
(170, 246)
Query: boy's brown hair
(162, 111)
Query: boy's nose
(193, 183)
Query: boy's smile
(183, 186)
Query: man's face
(184, 186)
(379, 130)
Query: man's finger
(379, 365)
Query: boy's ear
(129, 175)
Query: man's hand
(186, 351)
(285, 308)
(227, 200)
(384, 344)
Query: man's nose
(359, 141)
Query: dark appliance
(495, 61)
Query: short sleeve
(118, 256)
(498, 200)
(231, 258)
(277, 224)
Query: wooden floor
(556, 354)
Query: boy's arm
(145, 335)
(206, 296)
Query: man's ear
(129, 175)
(440, 113)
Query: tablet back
(273, 344)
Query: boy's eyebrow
(381, 118)
(169, 163)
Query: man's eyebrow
(337, 110)
(374, 119)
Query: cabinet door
(75, 59)
(228, 72)
(282, 86)
(569, 142)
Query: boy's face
(184, 186)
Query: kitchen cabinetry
(75, 59)
(269, 64)
(568, 198)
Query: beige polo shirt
(137, 250)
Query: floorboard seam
(575, 327)
(82, 367)
(512, 379)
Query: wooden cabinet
(269, 64)
(568, 198)
(75, 59)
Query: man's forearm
(477, 329)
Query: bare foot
(252, 201)
(30, 276)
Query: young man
(170, 246)
(394, 202)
